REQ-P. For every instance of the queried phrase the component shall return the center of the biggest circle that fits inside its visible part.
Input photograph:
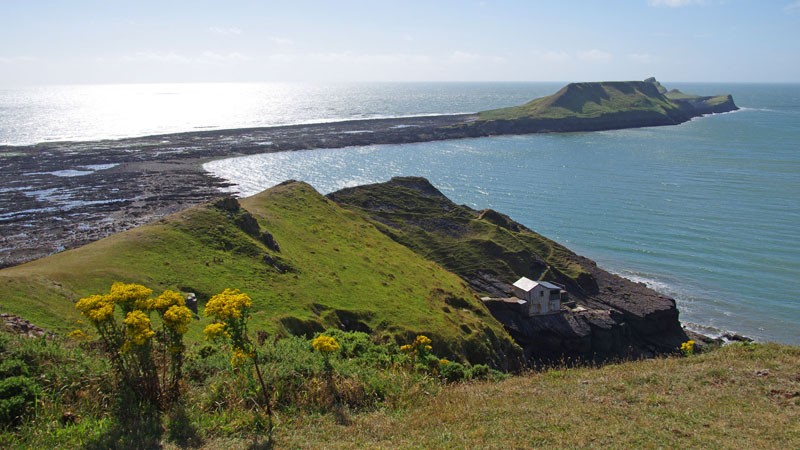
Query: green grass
(590, 100)
(342, 272)
(738, 396)
(462, 240)
(714, 400)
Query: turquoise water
(707, 212)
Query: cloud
(459, 57)
(206, 57)
(281, 40)
(792, 6)
(353, 57)
(17, 59)
(212, 58)
(643, 58)
(595, 55)
(226, 31)
(676, 3)
(552, 56)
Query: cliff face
(613, 316)
(599, 106)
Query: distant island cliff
(597, 106)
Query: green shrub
(17, 396)
(453, 371)
(12, 367)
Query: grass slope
(591, 100)
(468, 242)
(740, 396)
(333, 269)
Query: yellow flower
(177, 318)
(229, 304)
(443, 362)
(138, 327)
(96, 308)
(422, 341)
(325, 344)
(166, 300)
(129, 296)
(406, 348)
(216, 330)
(239, 357)
(687, 348)
(78, 335)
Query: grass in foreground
(739, 396)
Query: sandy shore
(57, 196)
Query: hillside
(330, 268)
(601, 106)
(740, 396)
(613, 316)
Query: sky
(151, 41)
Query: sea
(707, 212)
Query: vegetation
(591, 100)
(739, 396)
(464, 241)
(307, 263)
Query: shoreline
(62, 195)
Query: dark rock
(268, 240)
(229, 204)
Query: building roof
(527, 284)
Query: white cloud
(353, 57)
(226, 31)
(643, 58)
(212, 57)
(17, 59)
(676, 3)
(281, 40)
(459, 57)
(595, 55)
(207, 57)
(151, 56)
(552, 56)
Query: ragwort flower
(177, 318)
(229, 304)
(96, 308)
(129, 296)
(138, 328)
(325, 344)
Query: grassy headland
(332, 269)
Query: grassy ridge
(334, 269)
(591, 100)
(464, 241)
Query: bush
(13, 367)
(17, 396)
(453, 371)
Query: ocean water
(91, 112)
(707, 212)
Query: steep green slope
(332, 269)
(592, 100)
(481, 246)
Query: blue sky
(109, 41)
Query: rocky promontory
(608, 317)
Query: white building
(541, 297)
